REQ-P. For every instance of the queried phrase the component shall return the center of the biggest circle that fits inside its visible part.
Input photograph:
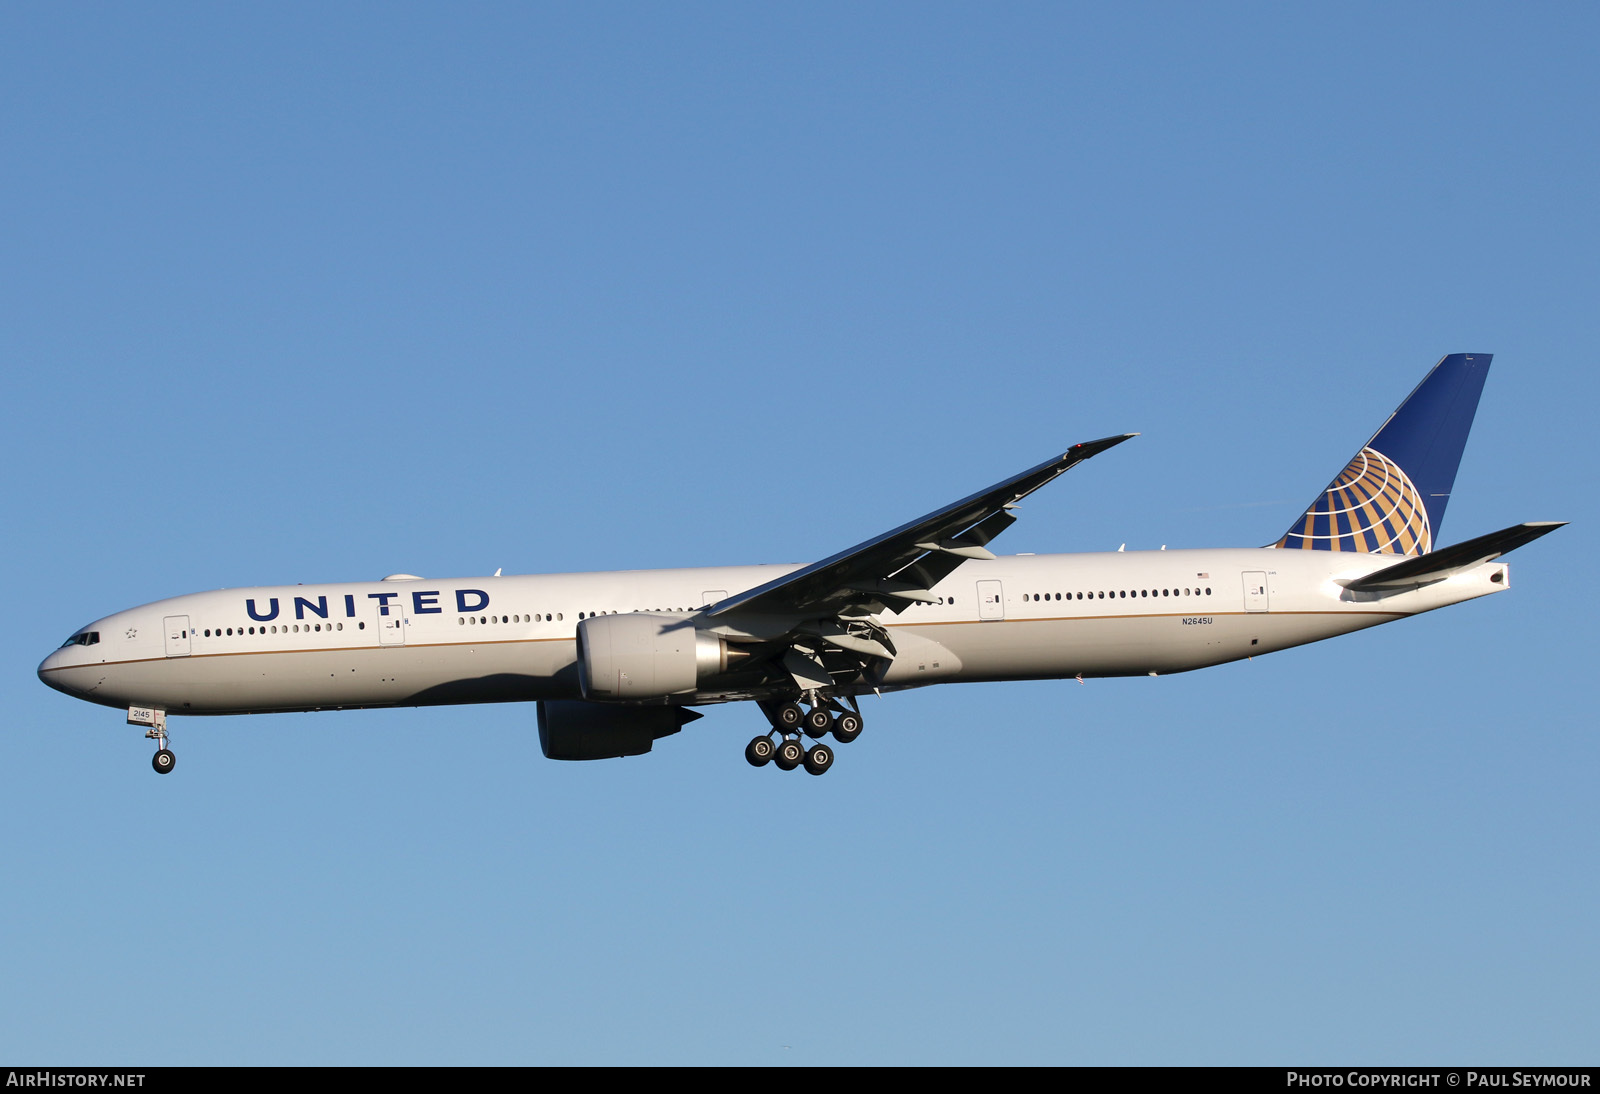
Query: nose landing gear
(163, 761)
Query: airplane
(617, 661)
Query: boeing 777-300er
(616, 661)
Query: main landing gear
(789, 720)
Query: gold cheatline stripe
(1145, 615)
(331, 649)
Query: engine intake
(646, 655)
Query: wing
(896, 569)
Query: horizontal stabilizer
(1440, 564)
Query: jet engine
(573, 730)
(646, 655)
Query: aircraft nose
(50, 677)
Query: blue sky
(316, 293)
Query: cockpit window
(82, 638)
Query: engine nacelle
(573, 730)
(645, 655)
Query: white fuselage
(505, 639)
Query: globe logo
(1371, 506)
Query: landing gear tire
(760, 751)
(818, 759)
(790, 755)
(818, 722)
(847, 727)
(788, 717)
(163, 761)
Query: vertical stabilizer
(1390, 497)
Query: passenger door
(392, 627)
(991, 600)
(1255, 591)
(178, 635)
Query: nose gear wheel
(164, 760)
